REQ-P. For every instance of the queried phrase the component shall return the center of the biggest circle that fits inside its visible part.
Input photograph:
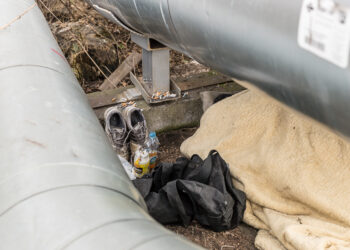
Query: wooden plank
(201, 80)
(113, 96)
(119, 95)
(122, 71)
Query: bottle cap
(152, 134)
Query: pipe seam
(45, 177)
(100, 227)
(30, 65)
(64, 187)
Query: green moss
(172, 128)
(230, 87)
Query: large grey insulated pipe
(257, 40)
(61, 185)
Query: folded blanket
(294, 171)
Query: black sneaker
(117, 131)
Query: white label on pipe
(324, 29)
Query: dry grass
(94, 46)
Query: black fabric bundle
(193, 189)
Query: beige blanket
(296, 173)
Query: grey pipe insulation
(61, 184)
(260, 41)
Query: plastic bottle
(141, 163)
(152, 145)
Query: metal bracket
(155, 84)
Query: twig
(119, 55)
(18, 17)
(133, 63)
(116, 46)
(107, 69)
(226, 246)
(67, 7)
(98, 33)
(79, 42)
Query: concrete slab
(185, 112)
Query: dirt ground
(241, 237)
